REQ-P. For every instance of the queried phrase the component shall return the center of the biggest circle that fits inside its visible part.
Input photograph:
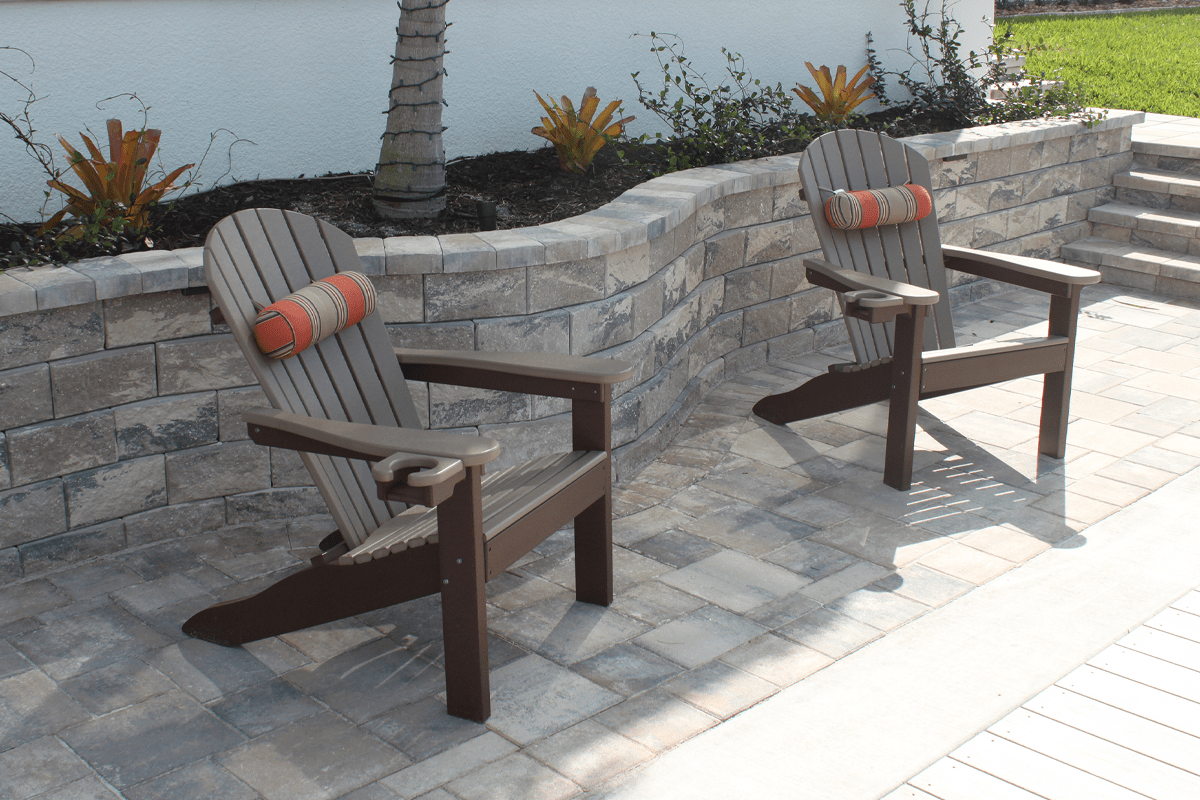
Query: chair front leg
(1056, 386)
(591, 427)
(905, 390)
(464, 616)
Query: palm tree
(410, 178)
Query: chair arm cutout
(553, 366)
(430, 470)
(1031, 273)
(823, 273)
(371, 442)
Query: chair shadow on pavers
(343, 403)
(884, 258)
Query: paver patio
(749, 557)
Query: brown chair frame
(889, 278)
(344, 405)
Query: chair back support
(259, 256)
(909, 253)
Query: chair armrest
(368, 442)
(429, 470)
(823, 273)
(1030, 273)
(550, 374)
(534, 365)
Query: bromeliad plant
(116, 196)
(575, 136)
(839, 97)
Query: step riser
(1169, 229)
(1152, 199)
(1188, 166)
(1159, 284)
(1137, 266)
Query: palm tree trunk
(410, 178)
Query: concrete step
(1166, 155)
(1138, 266)
(1164, 228)
(1160, 181)
(1158, 188)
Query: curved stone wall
(119, 399)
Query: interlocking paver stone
(656, 720)
(145, 740)
(87, 641)
(431, 773)
(317, 758)
(39, 766)
(589, 753)
(201, 779)
(565, 630)
(533, 697)
(366, 681)
(627, 669)
(700, 636)
(734, 581)
(829, 632)
(422, 729)
(777, 660)
(118, 685)
(31, 705)
(516, 775)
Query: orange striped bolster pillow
(873, 207)
(321, 309)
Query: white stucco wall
(307, 80)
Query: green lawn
(1147, 61)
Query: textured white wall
(307, 80)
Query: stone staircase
(1148, 237)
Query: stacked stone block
(120, 401)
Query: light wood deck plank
(1167, 646)
(1036, 772)
(1180, 623)
(1120, 727)
(1190, 603)
(1136, 698)
(1151, 671)
(949, 779)
(1104, 759)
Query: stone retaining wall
(119, 400)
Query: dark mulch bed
(527, 188)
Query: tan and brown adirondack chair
(344, 404)
(888, 278)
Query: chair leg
(464, 617)
(902, 407)
(1056, 386)
(593, 552)
(591, 429)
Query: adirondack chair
(344, 405)
(888, 278)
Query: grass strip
(1148, 61)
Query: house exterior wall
(307, 80)
(120, 400)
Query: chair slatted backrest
(910, 253)
(260, 256)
